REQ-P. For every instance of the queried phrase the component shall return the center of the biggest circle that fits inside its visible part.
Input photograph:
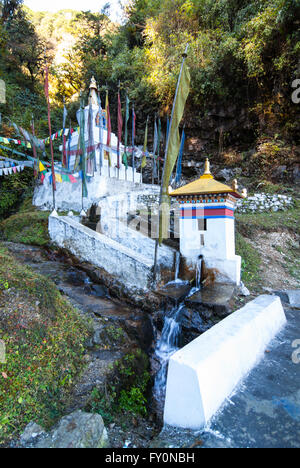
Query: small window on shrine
(202, 240)
(202, 224)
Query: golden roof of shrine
(206, 185)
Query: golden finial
(235, 185)
(93, 84)
(207, 173)
(207, 167)
(244, 193)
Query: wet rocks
(214, 299)
(290, 296)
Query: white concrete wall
(219, 238)
(219, 243)
(113, 223)
(69, 196)
(131, 269)
(206, 371)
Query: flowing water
(198, 274)
(177, 266)
(168, 344)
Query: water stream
(177, 266)
(170, 339)
(167, 345)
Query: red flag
(120, 125)
(49, 124)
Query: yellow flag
(41, 167)
(173, 147)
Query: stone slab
(206, 371)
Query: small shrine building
(207, 225)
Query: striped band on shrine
(207, 212)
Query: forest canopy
(242, 55)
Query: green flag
(183, 89)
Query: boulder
(77, 430)
(32, 435)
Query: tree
(24, 46)
(8, 8)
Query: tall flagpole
(165, 161)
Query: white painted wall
(219, 238)
(206, 371)
(113, 223)
(131, 269)
(219, 244)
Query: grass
(251, 261)
(248, 224)
(28, 226)
(44, 339)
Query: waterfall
(198, 274)
(167, 345)
(177, 266)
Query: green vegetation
(28, 226)
(12, 190)
(248, 224)
(44, 339)
(251, 261)
(127, 390)
(242, 55)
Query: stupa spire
(93, 98)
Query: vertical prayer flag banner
(155, 141)
(179, 162)
(49, 125)
(144, 160)
(158, 146)
(173, 143)
(83, 152)
(133, 138)
(64, 153)
(101, 152)
(91, 162)
(125, 158)
(107, 153)
(120, 126)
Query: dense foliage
(243, 58)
